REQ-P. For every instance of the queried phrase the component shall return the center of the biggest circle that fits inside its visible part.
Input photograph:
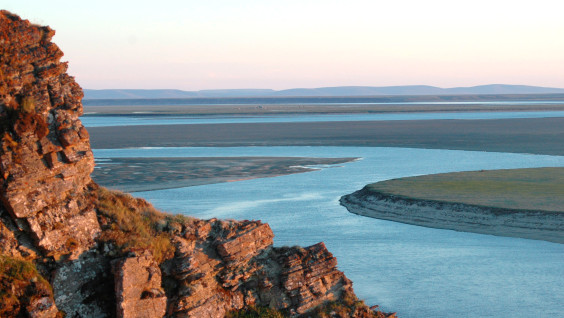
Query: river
(416, 271)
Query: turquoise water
(416, 271)
(131, 120)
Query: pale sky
(206, 44)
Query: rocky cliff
(70, 248)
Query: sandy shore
(529, 224)
(534, 135)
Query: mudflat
(534, 135)
(309, 106)
(145, 174)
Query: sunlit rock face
(45, 155)
(228, 265)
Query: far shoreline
(310, 109)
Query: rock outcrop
(227, 265)
(138, 287)
(67, 245)
(45, 156)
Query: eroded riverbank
(529, 224)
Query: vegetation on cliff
(257, 312)
(132, 225)
(348, 305)
(21, 287)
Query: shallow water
(133, 120)
(416, 271)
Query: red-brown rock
(46, 165)
(138, 288)
(244, 269)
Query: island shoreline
(527, 224)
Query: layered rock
(45, 155)
(221, 266)
(145, 263)
(138, 287)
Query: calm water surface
(416, 271)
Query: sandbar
(147, 174)
(523, 135)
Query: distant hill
(504, 89)
(171, 93)
(361, 91)
(494, 89)
(136, 93)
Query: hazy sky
(194, 45)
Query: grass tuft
(20, 285)
(133, 225)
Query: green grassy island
(523, 189)
(524, 203)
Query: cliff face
(68, 245)
(45, 156)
